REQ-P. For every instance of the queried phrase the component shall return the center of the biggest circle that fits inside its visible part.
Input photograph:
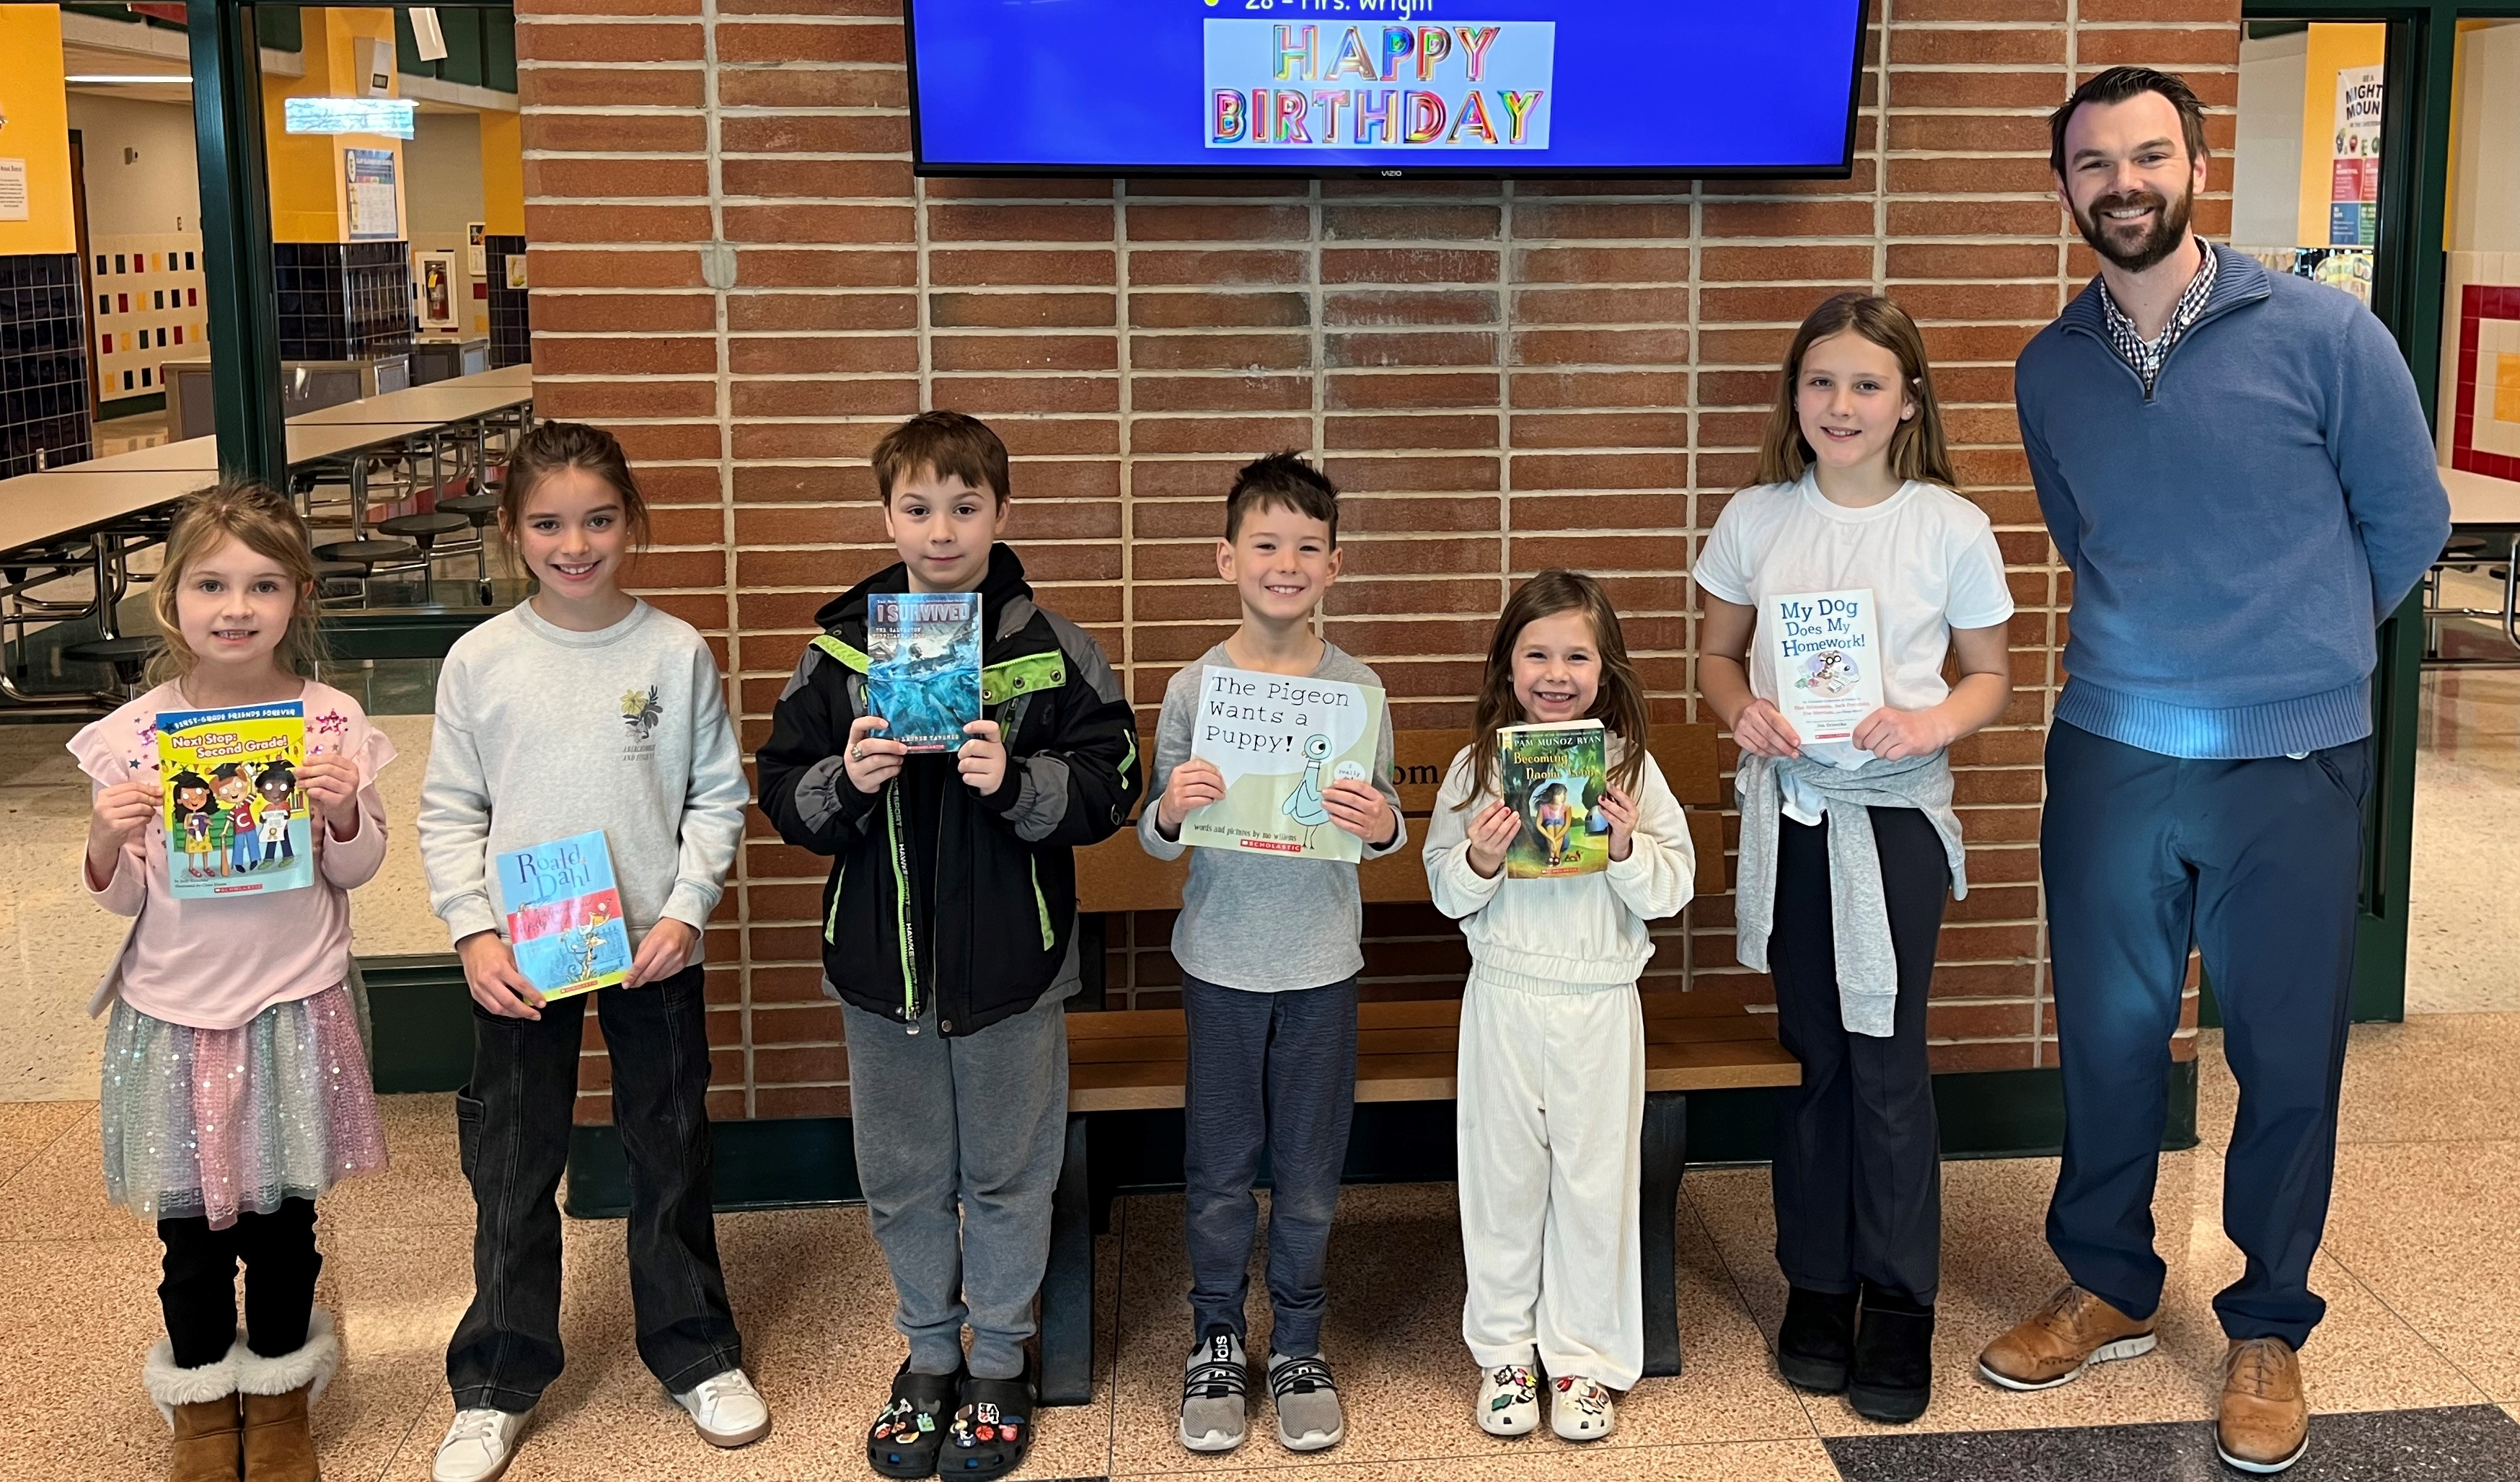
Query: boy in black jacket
(950, 939)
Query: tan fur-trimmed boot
(200, 1408)
(278, 1442)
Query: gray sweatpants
(959, 1143)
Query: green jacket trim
(1022, 675)
(843, 652)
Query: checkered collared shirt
(2147, 356)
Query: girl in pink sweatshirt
(235, 1084)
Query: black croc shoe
(1892, 1377)
(1817, 1343)
(992, 1428)
(904, 1439)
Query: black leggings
(199, 1294)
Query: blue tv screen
(1388, 87)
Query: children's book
(564, 915)
(1553, 775)
(924, 666)
(1827, 648)
(236, 820)
(1281, 740)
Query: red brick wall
(1503, 377)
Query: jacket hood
(1004, 583)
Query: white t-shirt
(1929, 554)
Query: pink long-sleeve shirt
(217, 964)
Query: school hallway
(2415, 1372)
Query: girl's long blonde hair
(269, 526)
(1619, 703)
(1916, 449)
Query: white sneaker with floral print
(1581, 1410)
(1509, 1400)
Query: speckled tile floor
(2415, 1373)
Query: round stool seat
(480, 509)
(365, 553)
(424, 528)
(112, 651)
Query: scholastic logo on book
(1274, 845)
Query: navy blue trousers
(2257, 865)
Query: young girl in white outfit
(1553, 1053)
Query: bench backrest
(1118, 875)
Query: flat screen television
(1384, 87)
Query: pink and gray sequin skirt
(207, 1123)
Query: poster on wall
(2354, 170)
(515, 263)
(376, 214)
(437, 291)
(13, 190)
(474, 248)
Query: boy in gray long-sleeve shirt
(1268, 952)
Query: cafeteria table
(2485, 531)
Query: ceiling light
(95, 78)
(390, 116)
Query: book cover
(1827, 648)
(1281, 740)
(924, 666)
(236, 818)
(1553, 775)
(565, 918)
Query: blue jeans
(1273, 1071)
(513, 1125)
(2258, 864)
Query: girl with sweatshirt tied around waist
(1553, 1053)
(583, 709)
(1847, 843)
(236, 1086)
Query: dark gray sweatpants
(1274, 1071)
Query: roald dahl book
(1553, 775)
(1281, 740)
(924, 666)
(236, 820)
(565, 918)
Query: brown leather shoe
(279, 1446)
(205, 1442)
(2265, 1426)
(2056, 1343)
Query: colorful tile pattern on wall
(2485, 426)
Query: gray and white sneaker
(1307, 1402)
(1215, 1384)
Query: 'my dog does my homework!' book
(564, 915)
(1553, 775)
(1827, 648)
(923, 666)
(1281, 740)
(236, 821)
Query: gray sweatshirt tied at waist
(1868, 970)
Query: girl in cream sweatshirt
(1553, 1051)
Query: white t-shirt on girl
(1929, 554)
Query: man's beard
(2134, 254)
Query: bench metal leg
(1666, 1154)
(1067, 1285)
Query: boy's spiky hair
(1283, 481)
(954, 444)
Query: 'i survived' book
(565, 918)
(1827, 648)
(924, 666)
(1553, 775)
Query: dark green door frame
(236, 240)
(2406, 284)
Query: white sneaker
(477, 1446)
(727, 1410)
(1581, 1410)
(1508, 1400)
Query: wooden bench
(1136, 1060)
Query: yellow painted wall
(33, 100)
(2332, 48)
(503, 173)
(310, 200)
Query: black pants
(2258, 864)
(513, 1121)
(199, 1293)
(1859, 1178)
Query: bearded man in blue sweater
(2235, 465)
